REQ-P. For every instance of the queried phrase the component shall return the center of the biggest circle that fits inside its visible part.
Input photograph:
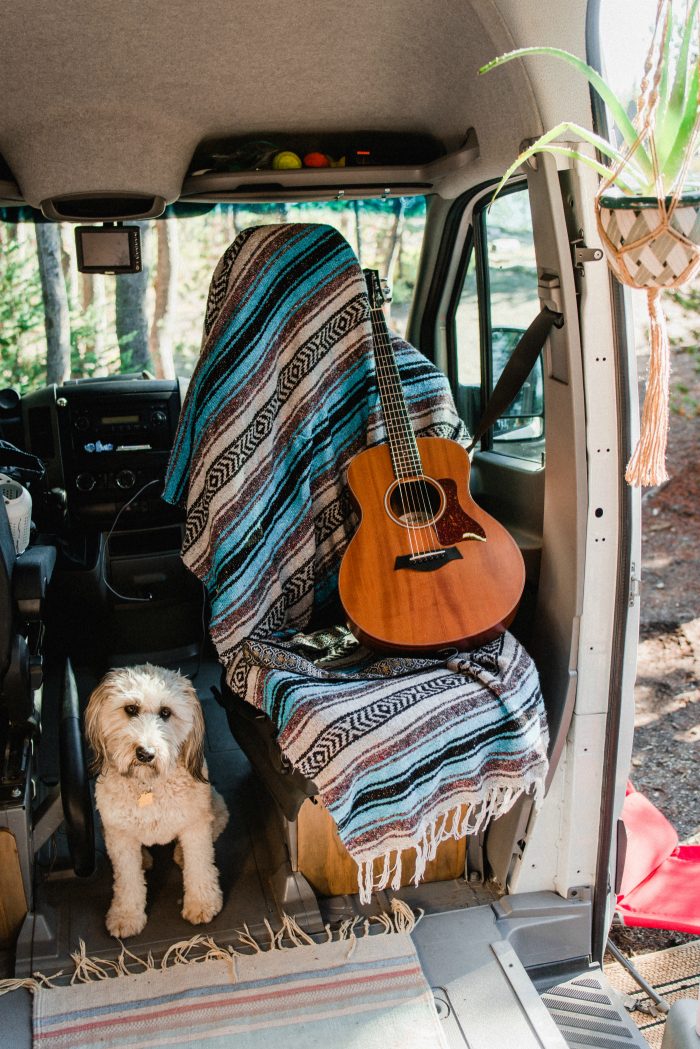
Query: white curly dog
(146, 729)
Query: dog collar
(145, 799)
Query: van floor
(256, 877)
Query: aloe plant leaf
(672, 108)
(684, 65)
(665, 64)
(686, 136)
(543, 142)
(616, 108)
(593, 164)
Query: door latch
(583, 254)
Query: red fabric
(670, 898)
(651, 839)
(661, 880)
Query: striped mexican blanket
(404, 752)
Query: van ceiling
(105, 97)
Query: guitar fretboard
(405, 456)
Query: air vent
(107, 207)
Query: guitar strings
(400, 456)
(415, 483)
(414, 487)
(397, 466)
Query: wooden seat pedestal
(331, 871)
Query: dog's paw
(178, 856)
(201, 908)
(146, 859)
(123, 923)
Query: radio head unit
(113, 425)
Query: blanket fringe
(199, 948)
(452, 825)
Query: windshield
(58, 324)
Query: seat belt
(521, 362)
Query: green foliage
(84, 361)
(674, 135)
(21, 318)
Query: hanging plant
(648, 201)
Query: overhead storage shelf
(331, 183)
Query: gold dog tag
(145, 799)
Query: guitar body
(427, 569)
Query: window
(104, 325)
(497, 302)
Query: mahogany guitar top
(410, 586)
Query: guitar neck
(401, 438)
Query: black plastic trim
(75, 787)
(476, 243)
(102, 207)
(442, 266)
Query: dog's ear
(92, 727)
(192, 753)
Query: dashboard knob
(159, 418)
(125, 479)
(82, 423)
(85, 482)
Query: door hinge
(583, 254)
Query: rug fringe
(201, 948)
(32, 983)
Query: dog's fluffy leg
(127, 914)
(203, 897)
(146, 859)
(219, 812)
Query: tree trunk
(230, 220)
(69, 264)
(163, 324)
(393, 246)
(394, 238)
(132, 311)
(93, 301)
(358, 229)
(53, 291)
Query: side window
(496, 304)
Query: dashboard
(103, 441)
(120, 591)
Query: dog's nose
(145, 755)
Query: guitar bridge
(427, 560)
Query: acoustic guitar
(427, 569)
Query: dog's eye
(131, 710)
(165, 713)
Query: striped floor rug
(369, 993)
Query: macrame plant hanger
(649, 247)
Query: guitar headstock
(378, 291)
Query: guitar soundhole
(415, 503)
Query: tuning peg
(386, 289)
